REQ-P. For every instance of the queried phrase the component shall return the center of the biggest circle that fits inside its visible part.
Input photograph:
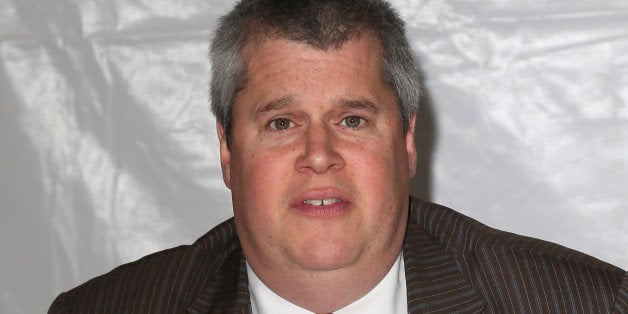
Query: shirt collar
(388, 296)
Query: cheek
(256, 195)
(259, 179)
(379, 165)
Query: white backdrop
(108, 150)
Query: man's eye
(353, 121)
(280, 124)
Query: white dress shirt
(389, 296)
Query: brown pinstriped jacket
(453, 264)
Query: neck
(331, 290)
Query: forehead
(281, 69)
(261, 52)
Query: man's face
(318, 166)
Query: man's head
(314, 146)
(323, 24)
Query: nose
(320, 153)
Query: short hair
(322, 24)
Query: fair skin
(318, 169)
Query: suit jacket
(452, 264)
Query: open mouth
(322, 202)
(326, 206)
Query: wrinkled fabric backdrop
(108, 149)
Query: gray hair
(322, 24)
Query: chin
(327, 257)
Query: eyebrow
(284, 101)
(359, 104)
(274, 105)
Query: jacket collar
(433, 282)
(227, 291)
(227, 288)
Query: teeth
(323, 202)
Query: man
(315, 104)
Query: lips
(321, 203)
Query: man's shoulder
(508, 267)
(159, 282)
(462, 234)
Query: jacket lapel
(227, 291)
(433, 282)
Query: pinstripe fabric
(433, 281)
(453, 264)
(208, 276)
(517, 274)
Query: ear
(410, 147)
(225, 154)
